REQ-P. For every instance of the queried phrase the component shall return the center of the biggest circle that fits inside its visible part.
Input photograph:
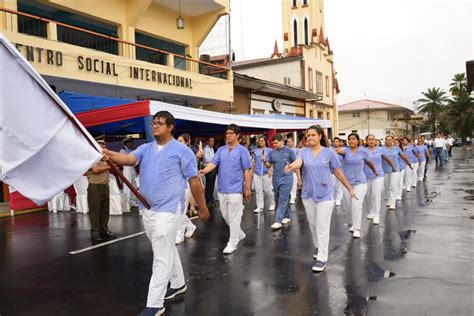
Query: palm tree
(433, 103)
(460, 112)
(458, 86)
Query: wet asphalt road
(418, 261)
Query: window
(295, 33)
(305, 3)
(388, 132)
(156, 57)
(319, 83)
(320, 115)
(355, 114)
(35, 27)
(327, 86)
(358, 114)
(295, 3)
(311, 113)
(306, 31)
(328, 116)
(310, 79)
(257, 111)
(287, 81)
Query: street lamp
(179, 20)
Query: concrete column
(171, 60)
(52, 31)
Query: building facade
(378, 118)
(132, 49)
(301, 79)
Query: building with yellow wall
(121, 48)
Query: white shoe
(229, 249)
(391, 207)
(399, 198)
(388, 203)
(286, 221)
(292, 202)
(189, 233)
(276, 226)
(414, 185)
(376, 220)
(272, 207)
(356, 233)
(243, 207)
(370, 216)
(242, 235)
(257, 210)
(408, 190)
(338, 203)
(179, 240)
(351, 229)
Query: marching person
(338, 187)
(425, 157)
(438, 144)
(411, 174)
(98, 198)
(185, 227)
(354, 159)
(234, 178)
(130, 173)
(262, 176)
(294, 188)
(279, 157)
(404, 162)
(318, 162)
(375, 183)
(166, 166)
(392, 175)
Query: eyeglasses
(158, 124)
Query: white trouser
(231, 209)
(391, 186)
(337, 188)
(128, 197)
(401, 177)
(263, 184)
(355, 206)
(421, 170)
(374, 195)
(319, 215)
(184, 222)
(294, 188)
(410, 176)
(160, 228)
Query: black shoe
(108, 234)
(96, 237)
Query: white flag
(41, 151)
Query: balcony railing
(24, 23)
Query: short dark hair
(233, 127)
(169, 118)
(277, 137)
(336, 138)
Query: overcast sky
(388, 50)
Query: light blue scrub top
(164, 174)
(232, 165)
(376, 158)
(316, 174)
(353, 165)
(422, 151)
(410, 151)
(258, 161)
(393, 154)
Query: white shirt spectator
(439, 143)
(208, 154)
(450, 141)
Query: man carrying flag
(165, 167)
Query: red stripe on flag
(114, 113)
